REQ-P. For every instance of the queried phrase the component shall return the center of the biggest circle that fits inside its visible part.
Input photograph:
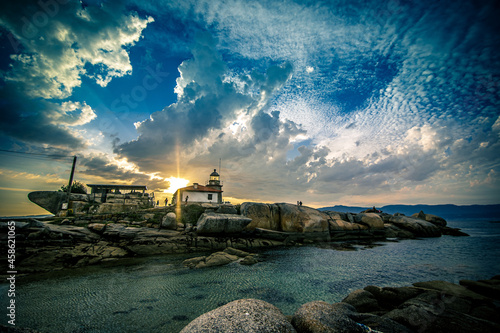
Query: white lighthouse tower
(215, 183)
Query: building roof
(200, 188)
(214, 173)
(122, 187)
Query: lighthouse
(214, 182)
(210, 193)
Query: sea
(158, 294)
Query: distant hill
(445, 211)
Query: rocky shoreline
(433, 306)
(57, 243)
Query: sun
(175, 184)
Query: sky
(326, 102)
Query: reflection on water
(158, 294)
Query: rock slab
(211, 223)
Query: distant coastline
(448, 211)
(39, 217)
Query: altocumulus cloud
(379, 97)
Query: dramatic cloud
(207, 101)
(57, 44)
(60, 43)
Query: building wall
(200, 196)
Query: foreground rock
(317, 317)
(433, 306)
(246, 315)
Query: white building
(210, 193)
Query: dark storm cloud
(53, 45)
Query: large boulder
(490, 288)
(418, 227)
(340, 222)
(169, 221)
(264, 216)
(211, 223)
(318, 316)
(371, 220)
(217, 259)
(226, 209)
(439, 221)
(120, 231)
(245, 315)
(362, 300)
(389, 297)
(220, 258)
(295, 218)
(452, 289)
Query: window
(210, 196)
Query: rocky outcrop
(246, 315)
(213, 223)
(433, 306)
(221, 258)
(281, 220)
(48, 200)
(285, 217)
(417, 227)
(158, 231)
(426, 307)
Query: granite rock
(245, 315)
(318, 316)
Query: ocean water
(159, 295)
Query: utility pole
(71, 176)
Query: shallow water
(159, 295)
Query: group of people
(158, 202)
(299, 203)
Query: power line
(38, 154)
